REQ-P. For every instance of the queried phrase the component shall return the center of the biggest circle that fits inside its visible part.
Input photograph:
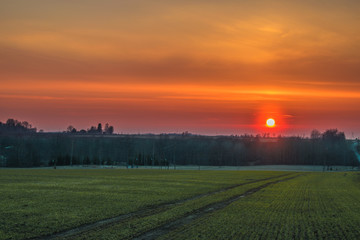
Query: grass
(314, 206)
(135, 226)
(311, 206)
(41, 202)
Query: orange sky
(207, 67)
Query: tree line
(68, 148)
(92, 130)
(15, 126)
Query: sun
(270, 122)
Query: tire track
(171, 226)
(150, 210)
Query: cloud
(315, 73)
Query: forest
(25, 147)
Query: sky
(207, 67)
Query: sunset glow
(205, 67)
(270, 123)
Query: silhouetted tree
(15, 126)
(108, 129)
(333, 135)
(92, 130)
(315, 134)
(99, 128)
(71, 129)
(11, 123)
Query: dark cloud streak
(23, 66)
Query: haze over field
(207, 67)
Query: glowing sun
(270, 122)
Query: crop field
(168, 204)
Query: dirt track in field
(171, 226)
(151, 210)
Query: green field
(168, 204)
